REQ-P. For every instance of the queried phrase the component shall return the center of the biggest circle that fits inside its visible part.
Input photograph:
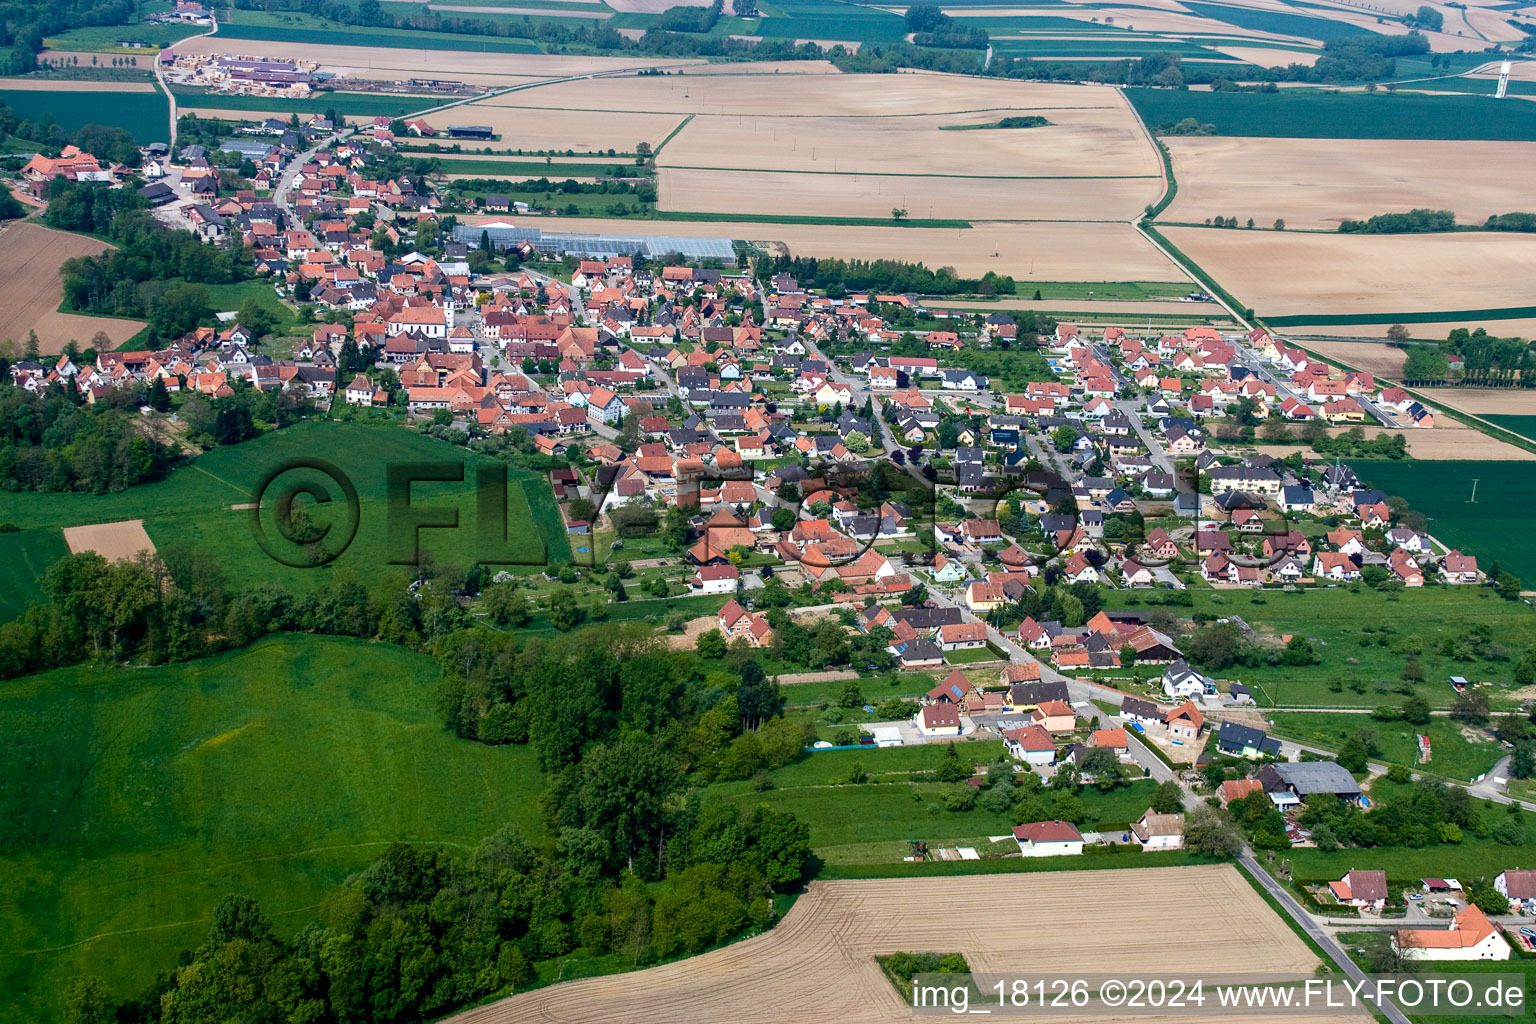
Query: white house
(1180, 680)
(1049, 839)
(1471, 936)
(1031, 744)
(714, 579)
(1159, 831)
(938, 720)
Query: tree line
(1414, 221)
(1486, 360)
(24, 24)
(880, 276)
(1365, 58)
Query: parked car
(1416, 896)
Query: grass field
(226, 297)
(193, 506)
(871, 822)
(348, 104)
(104, 38)
(1279, 23)
(1365, 665)
(1493, 529)
(1473, 857)
(26, 554)
(1525, 426)
(136, 798)
(1452, 754)
(1294, 113)
(145, 115)
(388, 37)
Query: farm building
(1471, 936)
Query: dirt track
(818, 966)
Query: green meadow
(1451, 753)
(870, 822)
(196, 507)
(1474, 857)
(136, 798)
(1359, 634)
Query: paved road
(166, 88)
(1160, 458)
(1316, 932)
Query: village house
(1048, 839)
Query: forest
(881, 276)
(154, 272)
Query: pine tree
(159, 398)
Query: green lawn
(193, 506)
(228, 297)
(904, 684)
(1472, 858)
(135, 799)
(1493, 528)
(1358, 661)
(1454, 756)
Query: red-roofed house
(1048, 839)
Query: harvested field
(1450, 441)
(1481, 401)
(580, 130)
(1515, 328)
(817, 966)
(34, 290)
(1284, 273)
(1371, 356)
(807, 95)
(1447, 441)
(1316, 183)
(1078, 141)
(1266, 58)
(745, 193)
(1068, 251)
(116, 542)
(1197, 312)
(68, 85)
(495, 69)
